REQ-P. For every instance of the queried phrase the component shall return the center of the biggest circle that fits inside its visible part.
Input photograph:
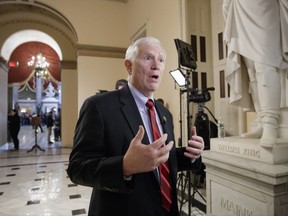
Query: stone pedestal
(243, 178)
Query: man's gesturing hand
(195, 145)
(144, 158)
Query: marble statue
(50, 91)
(256, 34)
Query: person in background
(14, 126)
(50, 124)
(57, 128)
(9, 138)
(120, 83)
(124, 139)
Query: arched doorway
(22, 16)
(24, 78)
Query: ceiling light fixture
(39, 65)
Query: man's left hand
(195, 145)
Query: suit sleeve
(185, 163)
(90, 162)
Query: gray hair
(133, 49)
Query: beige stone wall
(96, 22)
(98, 73)
(69, 111)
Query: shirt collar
(139, 98)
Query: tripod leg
(40, 148)
(31, 149)
(195, 190)
(36, 146)
(183, 182)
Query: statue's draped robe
(258, 30)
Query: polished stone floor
(35, 183)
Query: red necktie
(163, 168)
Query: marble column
(59, 93)
(38, 94)
(15, 94)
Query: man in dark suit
(114, 151)
(14, 127)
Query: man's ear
(128, 66)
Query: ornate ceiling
(25, 75)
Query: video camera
(200, 96)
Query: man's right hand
(144, 158)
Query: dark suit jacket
(106, 125)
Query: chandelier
(39, 65)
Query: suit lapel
(131, 112)
(162, 117)
(134, 119)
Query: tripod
(35, 122)
(186, 59)
(185, 183)
(206, 129)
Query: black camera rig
(200, 95)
